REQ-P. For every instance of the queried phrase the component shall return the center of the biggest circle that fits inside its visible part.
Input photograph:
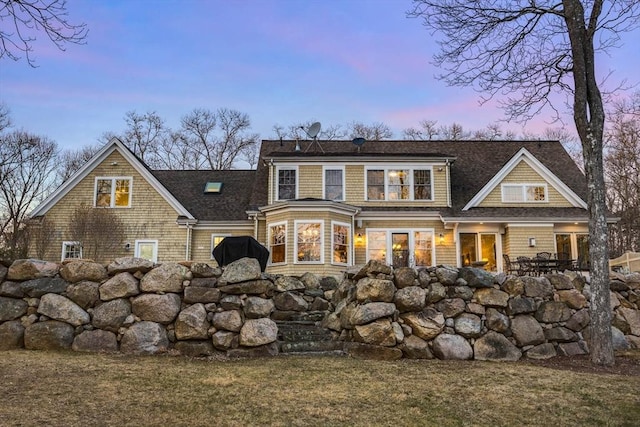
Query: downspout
(448, 178)
(188, 243)
(353, 243)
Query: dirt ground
(626, 363)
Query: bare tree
(22, 20)
(374, 132)
(143, 135)
(41, 234)
(622, 168)
(527, 50)
(427, 131)
(454, 132)
(218, 138)
(26, 165)
(99, 231)
(70, 161)
(5, 117)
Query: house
(322, 206)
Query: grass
(75, 389)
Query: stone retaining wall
(467, 313)
(135, 307)
(194, 309)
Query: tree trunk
(588, 114)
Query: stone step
(302, 331)
(312, 347)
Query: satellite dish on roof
(314, 129)
(358, 142)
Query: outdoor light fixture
(441, 239)
(532, 242)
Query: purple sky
(280, 61)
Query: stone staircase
(304, 335)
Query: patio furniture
(511, 266)
(542, 262)
(526, 266)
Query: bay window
(309, 241)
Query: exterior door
(400, 249)
(478, 250)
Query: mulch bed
(626, 363)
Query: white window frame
(324, 181)
(113, 191)
(213, 238)
(524, 187)
(410, 169)
(155, 248)
(277, 181)
(349, 244)
(412, 246)
(69, 243)
(269, 245)
(295, 240)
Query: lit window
(71, 250)
(333, 184)
(113, 192)
(398, 184)
(377, 245)
(286, 184)
(309, 242)
(524, 193)
(215, 241)
(278, 243)
(340, 243)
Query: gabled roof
(525, 156)
(230, 204)
(113, 145)
(476, 162)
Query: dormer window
(524, 193)
(399, 184)
(286, 184)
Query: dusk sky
(280, 61)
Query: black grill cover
(233, 248)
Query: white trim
(70, 243)
(277, 181)
(286, 238)
(113, 145)
(324, 181)
(296, 223)
(411, 168)
(349, 243)
(155, 248)
(525, 156)
(524, 186)
(411, 232)
(213, 236)
(113, 180)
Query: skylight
(213, 187)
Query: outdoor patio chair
(511, 267)
(526, 266)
